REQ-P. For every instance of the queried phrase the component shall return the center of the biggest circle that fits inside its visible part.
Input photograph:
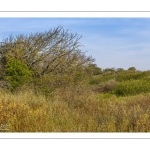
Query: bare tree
(53, 50)
(45, 60)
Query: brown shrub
(105, 87)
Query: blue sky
(113, 42)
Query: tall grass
(73, 109)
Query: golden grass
(73, 109)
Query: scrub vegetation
(47, 84)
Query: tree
(93, 69)
(54, 53)
(108, 71)
(120, 70)
(132, 69)
(45, 51)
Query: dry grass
(74, 109)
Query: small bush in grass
(109, 85)
(105, 87)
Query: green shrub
(131, 76)
(119, 77)
(94, 81)
(101, 79)
(132, 87)
(17, 73)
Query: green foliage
(132, 69)
(109, 70)
(132, 87)
(17, 73)
(119, 77)
(93, 69)
(119, 70)
(131, 76)
(122, 84)
(100, 79)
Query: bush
(17, 73)
(106, 87)
(132, 87)
(131, 76)
(101, 79)
(120, 77)
(109, 85)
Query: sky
(113, 42)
